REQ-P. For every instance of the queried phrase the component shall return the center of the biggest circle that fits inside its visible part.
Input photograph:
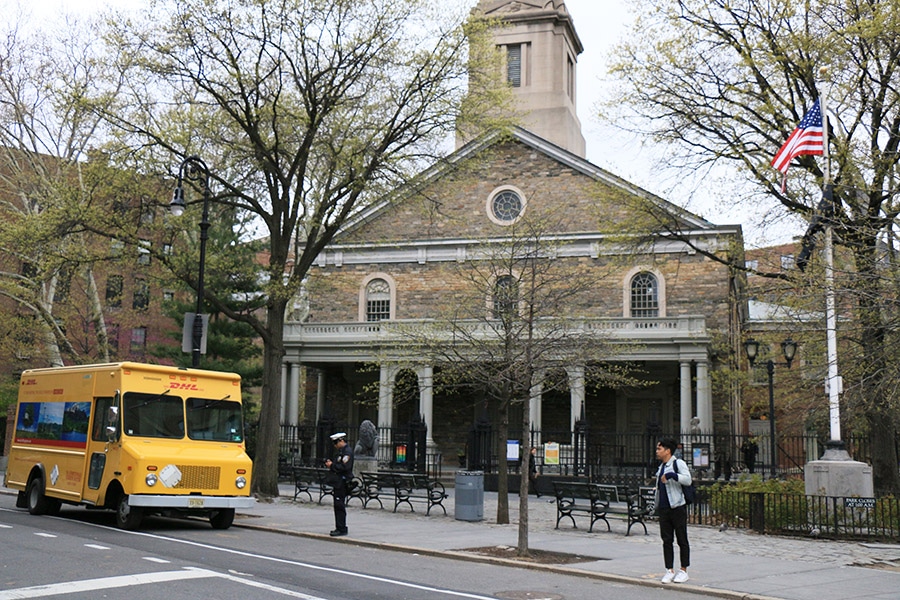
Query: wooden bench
(621, 502)
(405, 488)
(579, 498)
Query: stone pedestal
(836, 474)
(364, 464)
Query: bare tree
(726, 82)
(512, 320)
(307, 111)
(46, 129)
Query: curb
(505, 562)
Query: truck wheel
(38, 504)
(128, 517)
(222, 519)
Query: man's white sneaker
(668, 577)
(681, 577)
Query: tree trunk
(502, 468)
(268, 435)
(524, 479)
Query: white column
(320, 396)
(576, 393)
(686, 400)
(704, 398)
(293, 394)
(385, 396)
(426, 401)
(284, 401)
(537, 391)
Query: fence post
(480, 445)
(758, 512)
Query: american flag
(807, 138)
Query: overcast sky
(600, 24)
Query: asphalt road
(81, 554)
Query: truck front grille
(198, 478)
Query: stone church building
(668, 307)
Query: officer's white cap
(336, 436)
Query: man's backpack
(689, 491)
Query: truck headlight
(240, 482)
(151, 479)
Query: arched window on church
(506, 297)
(644, 295)
(378, 300)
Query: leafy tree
(725, 82)
(308, 110)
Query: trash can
(469, 500)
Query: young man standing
(342, 468)
(673, 473)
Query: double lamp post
(789, 350)
(195, 170)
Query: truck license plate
(195, 502)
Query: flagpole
(833, 383)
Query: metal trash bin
(469, 501)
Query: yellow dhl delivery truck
(134, 438)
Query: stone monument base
(364, 464)
(836, 474)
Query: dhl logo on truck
(183, 386)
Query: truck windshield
(216, 420)
(153, 415)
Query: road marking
(47, 535)
(96, 546)
(5, 526)
(312, 567)
(105, 583)
(157, 560)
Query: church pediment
(502, 7)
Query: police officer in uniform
(342, 469)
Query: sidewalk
(730, 564)
(727, 564)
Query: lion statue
(367, 440)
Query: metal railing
(798, 514)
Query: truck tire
(222, 519)
(128, 517)
(38, 503)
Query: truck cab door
(102, 451)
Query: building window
(378, 300)
(114, 287)
(644, 295)
(787, 262)
(141, 296)
(167, 249)
(514, 65)
(570, 78)
(506, 297)
(168, 296)
(752, 265)
(506, 205)
(112, 334)
(116, 248)
(143, 252)
(138, 340)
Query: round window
(507, 206)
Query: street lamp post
(789, 350)
(194, 169)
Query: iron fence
(631, 457)
(396, 449)
(797, 514)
